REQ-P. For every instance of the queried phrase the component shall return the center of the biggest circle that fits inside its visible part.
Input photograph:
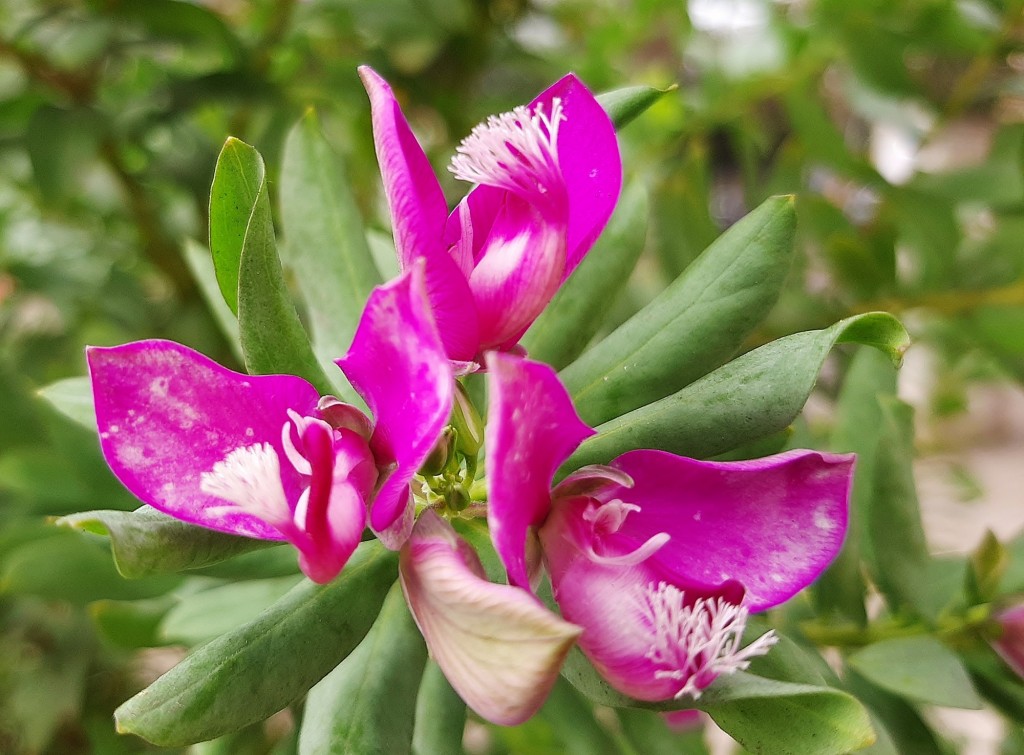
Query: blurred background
(899, 125)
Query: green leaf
(72, 397)
(648, 733)
(572, 717)
(201, 616)
(325, 246)
(919, 668)
(763, 715)
(67, 566)
(248, 674)
(907, 731)
(626, 104)
(986, 567)
(440, 720)
(900, 563)
(366, 704)
(841, 589)
(147, 541)
(576, 312)
(749, 398)
(236, 184)
(695, 325)
(273, 339)
(200, 264)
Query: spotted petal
(497, 645)
(772, 524)
(398, 365)
(531, 429)
(167, 415)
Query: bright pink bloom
(264, 456)
(1010, 642)
(658, 557)
(548, 177)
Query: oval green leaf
(273, 338)
(695, 324)
(147, 541)
(367, 703)
(749, 398)
(248, 674)
(440, 721)
(237, 179)
(919, 668)
(576, 312)
(325, 245)
(626, 104)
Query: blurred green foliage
(898, 124)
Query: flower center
(605, 520)
(697, 642)
(516, 151)
(249, 478)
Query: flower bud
(466, 420)
(441, 453)
(1010, 641)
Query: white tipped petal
(499, 647)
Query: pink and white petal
(531, 429)
(332, 516)
(498, 646)
(591, 481)
(773, 524)
(451, 302)
(470, 223)
(588, 154)
(519, 270)
(398, 365)
(168, 414)
(645, 648)
(418, 208)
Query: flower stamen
(700, 641)
(249, 478)
(516, 151)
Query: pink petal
(398, 365)
(167, 415)
(418, 208)
(497, 645)
(588, 154)
(772, 524)
(651, 636)
(531, 429)
(333, 517)
(520, 268)
(418, 216)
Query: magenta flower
(548, 177)
(264, 456)
(1010, 640)
(659, 558)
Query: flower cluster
(654, 560)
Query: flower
(658, 557)
(264, 456)
(1009, 642)
(548, 177)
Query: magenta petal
(418, 208)
(650, 635)
(1010, 642)
(418, 215)
(497, 645)
(398, 365)
(531, 429)
(167, 415)
(588, 154)
(772, 524)
(520, 268)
